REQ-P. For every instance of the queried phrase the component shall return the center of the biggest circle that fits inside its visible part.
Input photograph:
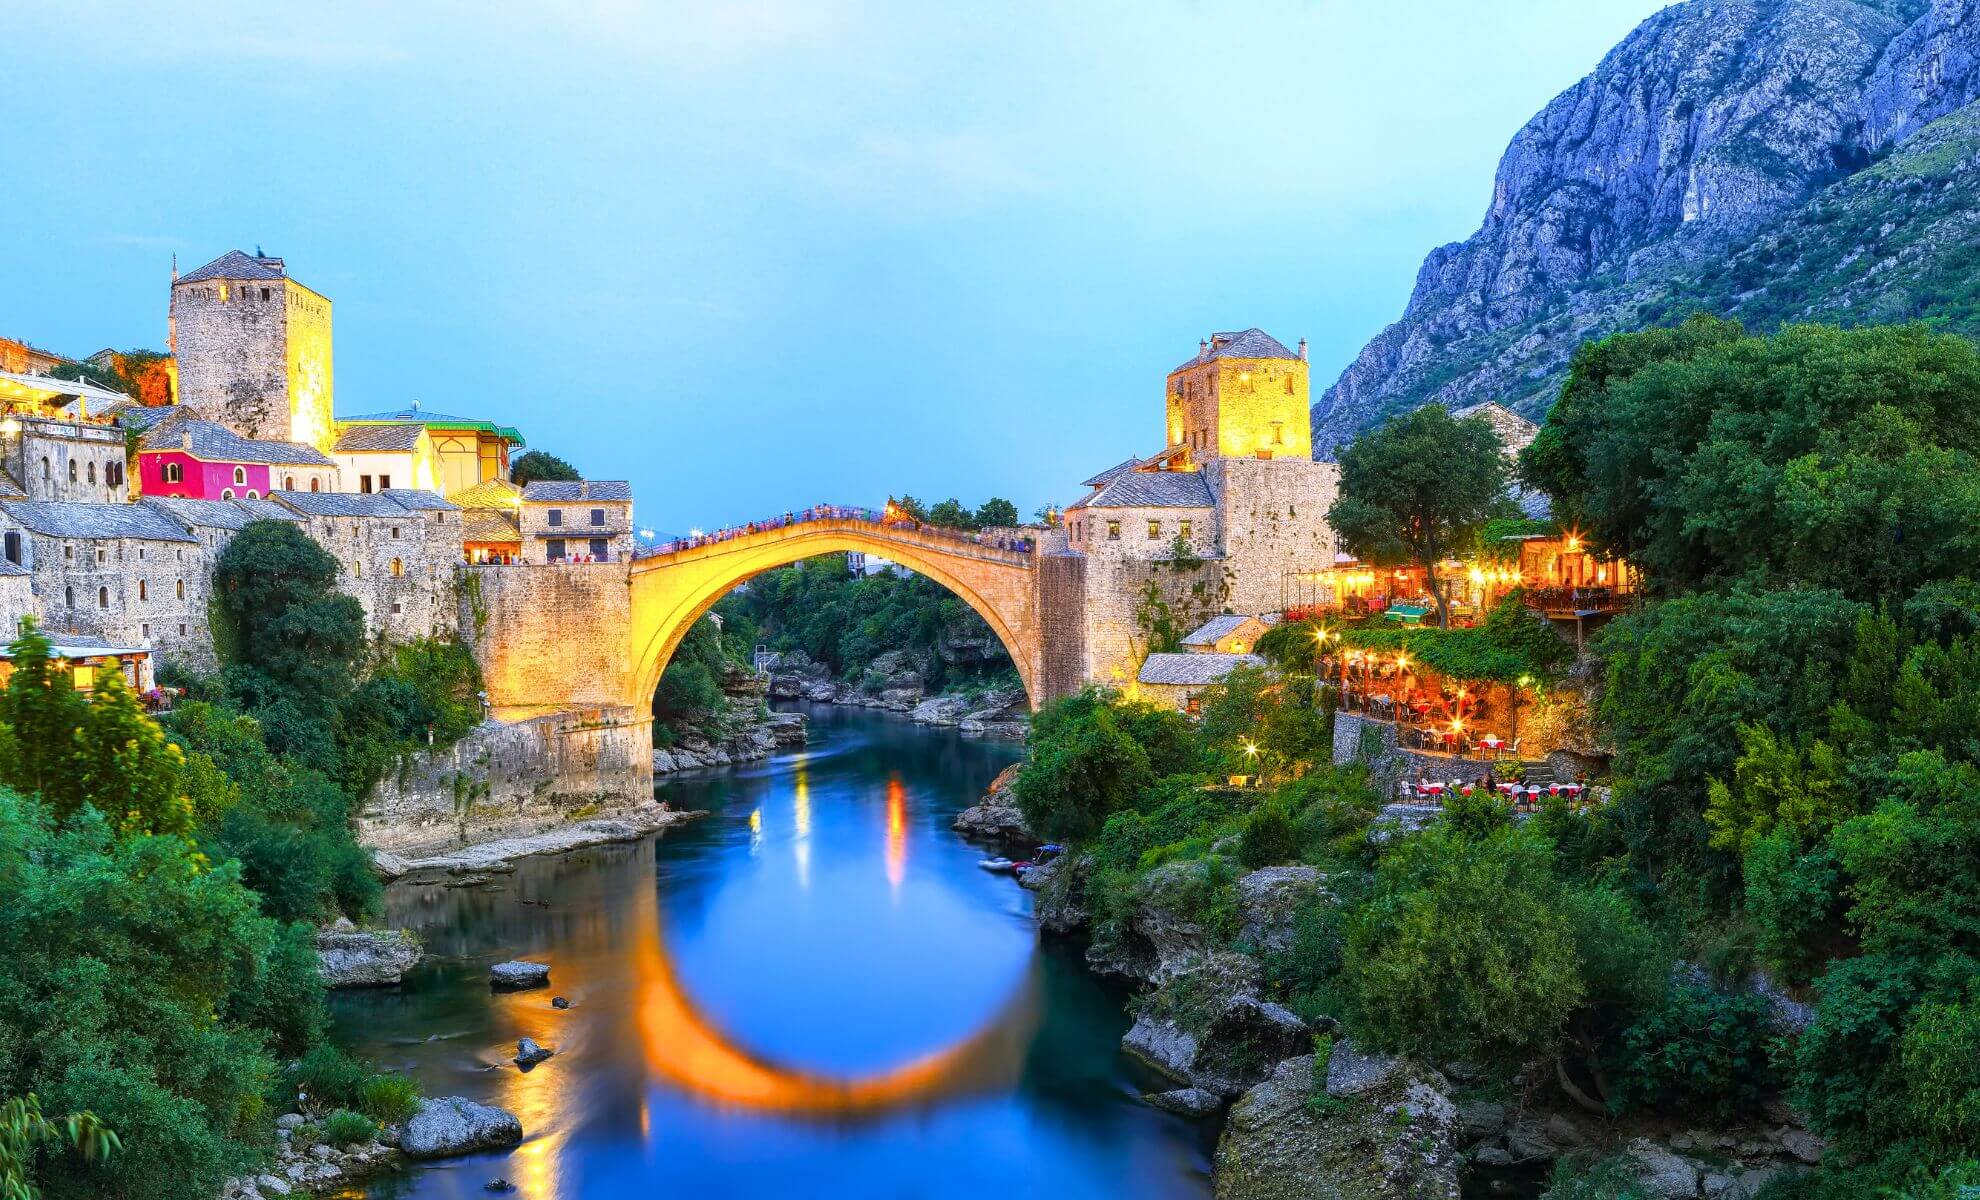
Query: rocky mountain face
(1644, 192)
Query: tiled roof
(1153, 489)
(545, 491)
(1101, 479)
(210, 441)
(489, 493)
(236, 265)
(419, 499)
(341, 504)
(62, 519)
(132, 415)
(13, 568)
(1207, 633)
(217, 514)
(1247, 343)
(362, 438)
(9, 489)
(489, 525)
(1193, 670)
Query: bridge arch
(670, 592)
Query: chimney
(1302, 349)
(1203, 347)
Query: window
(1193, 706)
(264, 293)
(384, 482)
(597, 516)
(395, 607)
(288, 483)
(555, 517)
(1154, 529)
(554, 551)
(1289, 383)
(395, 533)
(140, 552)
(599, 549)
(72, 470)
(1185, 530)
(315, 484)
(103, 597)
(144, 590)
(92, 473)
(1278, 433)
(1113, 531)
(240, 475)
(253, 495)
(68, 552)
(147, 631)
(174, 473)
(357, 567)
(44, 469)
(226, 493)
(102, 555)
(13, 547)
(113, 474)
(364, 484)
(182, 629)
(182, 589)
(398, 568)
(69, 596)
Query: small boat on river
(996, 864)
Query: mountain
(1767, 159)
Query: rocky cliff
(1638, 195)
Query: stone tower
(1244, 395)
(253, 349)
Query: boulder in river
(1395, 1140)
(518, 976)
(455, 1125)
(349, 957)
(1208, 1027)
(529, 1053)
(996, 815)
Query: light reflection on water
(814, 991)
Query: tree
(278, 587)
(1416, 488)
(539, 466)
(996, 511)
(1084, 766)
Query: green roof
(433, 420)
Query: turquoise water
(812, 992)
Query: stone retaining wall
(513, 779)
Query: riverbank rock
(1208, 1027)
(305, 1166)
(1394, 1140)
(497, 855)
(940, 710)
(529, 1053)
(455, 1125)
(1163, 934)
(794, 675)
(1185, 1102)
(1060, 888)
(1269, 899)
(349, 957)
(999, 714)
(996, 815)
(518, 976)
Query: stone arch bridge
(578, 638)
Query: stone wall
(1062, 624)
(575, 528)
(511, 780)
(66, 460)
(1238, 407)
(1273, 517)
(132, 591)
(255, 355)
(1116, 589)
(401, 569)
(548, 637)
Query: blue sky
(760, 254)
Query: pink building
(181, 455)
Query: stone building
(21, 358)
(421, 449)
(1214, 523)
(59, 440)
(399, 551)
(1179, 680)
(181, 455)
(123, 572)
(1231, 633)
(491, 526)
(588, 520)
(253, 349)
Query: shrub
(1084, 765)
(1269, 837)
(1576, 1177)
(392, 1099)
(1702, 1049)
(346, 1128)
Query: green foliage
(392, 1099)
(1281, 719)
(168, 981)
(299, 636)
(1576, 1177)
(1460, 952)
(346, 1128)
(1701, 1049)
(1269, 837)
(537, 466)
(690, 691)
(23, 1133)
(1513, 643)
(1417, 488)
(1085, 764)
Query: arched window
(253, 495)
(44, 469)
(288, 483)
(357, 567)
(103, 597)
(69, 596)
(315, 485)
(174, 473)
(240, 474)
(92, 473)
(144, 590)
(398, 568)
(182, 589)
(226, 493)
(72, 470)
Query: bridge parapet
(887, 522)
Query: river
(814, 991)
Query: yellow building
(419, 449)
(1244, 395)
